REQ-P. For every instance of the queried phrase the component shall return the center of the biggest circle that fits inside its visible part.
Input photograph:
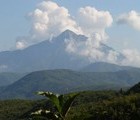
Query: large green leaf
(58, 100)
(54, 98)
(61, 100)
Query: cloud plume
(93, 24)
(132, 19)
(93, 21)
(48, 20)
(132, 57)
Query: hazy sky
(123, 33)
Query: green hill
(64, 81)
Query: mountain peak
(68, 34)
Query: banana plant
(61, 105)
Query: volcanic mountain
(48, 55)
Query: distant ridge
(63, 81)
(106, 67)
(102, 67)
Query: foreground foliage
(60, 104)
(90, 105)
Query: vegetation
(14, 109)
(120, 108)
(134, 89)
(88, 105)
(60, 104)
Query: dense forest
(88, 105)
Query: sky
(116, 22)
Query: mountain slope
(107, 67)
(46, 55)
(101, 67)
(62, 81)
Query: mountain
(106, 67)
(47, 55)
(63, 81)
(101, 67)
(9, 78)
(134, 89)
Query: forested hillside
(65, 81)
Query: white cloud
(21, 42)
(88, 49)
(112, 57)
(93, 21)
(132, 57)
(132, 18)
(48, 19)
(93, 24)
(20, 45)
